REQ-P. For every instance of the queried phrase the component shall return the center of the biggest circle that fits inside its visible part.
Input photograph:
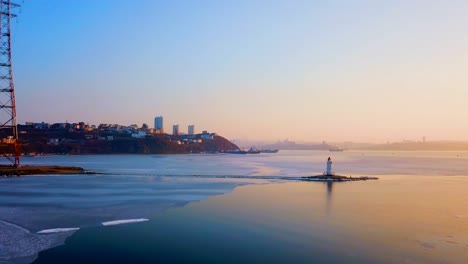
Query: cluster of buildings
(107, 131)
(159, 128)
(86, 127)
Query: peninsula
(80, 138)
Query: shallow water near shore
(231, 208)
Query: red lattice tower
(8, 130)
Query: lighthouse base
(337, 178)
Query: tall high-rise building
(175, 130)
(191, 129)
(158, 124)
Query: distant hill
(397, 146)
(291, 145)
(422, 146)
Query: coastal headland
(80, 139)
(76, 139)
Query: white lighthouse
(329, 167)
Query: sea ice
(19, 245)
(124, 221)
(58, 230)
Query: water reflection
(329, 197)
(392, 220)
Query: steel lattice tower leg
(8, 128)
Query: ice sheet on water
(124, 221)
(58, 230)
(46, 210)
(19, 245)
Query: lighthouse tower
(329, 167)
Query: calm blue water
(183, 214)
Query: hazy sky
(303, 70)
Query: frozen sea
(224, 208)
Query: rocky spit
(11, 171)
(337, 178)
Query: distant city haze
(372, 71)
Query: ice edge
(58, 230)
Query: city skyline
(191, 131)
(363, 71)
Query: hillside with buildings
(81, 138)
